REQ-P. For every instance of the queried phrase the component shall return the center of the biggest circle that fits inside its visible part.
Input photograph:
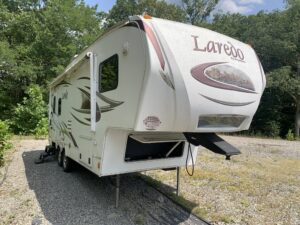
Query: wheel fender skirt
(212, 142)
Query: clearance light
(146, 16)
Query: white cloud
(242, 2)
(174, 1)
(245, 2)
(232, 7)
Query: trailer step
(212, 142)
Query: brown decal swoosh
(73, 139)
(198, 72)
(64, 130)
(63, 82)
(84, 111)
(167, 79)
(85, 106)
(227, 103)
(112, 103)
(79, 121)
(83, 78)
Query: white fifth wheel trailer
(146, 93)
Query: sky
(245, 7)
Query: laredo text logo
(218, 47)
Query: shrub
(30, 112)
(4, 140)
(290, 135)
(41, 129)
(272, 129)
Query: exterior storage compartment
(136, 150)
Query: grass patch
(27, 137)
(139, 219)
(10, 219)
(257, 182)
(189, 206)
(222, 218)
(27, 203)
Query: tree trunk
(297, 119)
(297, 116)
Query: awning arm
(94, 87)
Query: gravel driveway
(44, 194)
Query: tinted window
(109, 72)
(59, 106)
(54, 104)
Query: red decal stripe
(155, 44)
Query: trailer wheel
(67, 162)
(60, 157)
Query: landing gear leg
(117, 190)
(49, 151)
(178, 180)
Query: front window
(229, 75)
(109, 72)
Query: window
(108, 73)
(54, 104)
(59, 106)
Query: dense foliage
(124, 8)
(4, 137)
(276, 38)
(37, 40)
(29, 114)
(39, 37)
(198, 10)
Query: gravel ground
(259, 187)
(44, 194)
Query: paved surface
(79, 197)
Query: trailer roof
(80, 58)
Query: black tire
(47, 149)
(60, 157)
(67, 163)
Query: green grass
(190, 206)
(252, 181)
(27, 137)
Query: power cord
(186, 162)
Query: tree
(198, 10)
(30, 112)
(157, 8)
(288, 82)
(4, 140)
(292, 2)
(276, 39)
(61, 35)
(21, 5)
(37, 40)
(17, 70)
